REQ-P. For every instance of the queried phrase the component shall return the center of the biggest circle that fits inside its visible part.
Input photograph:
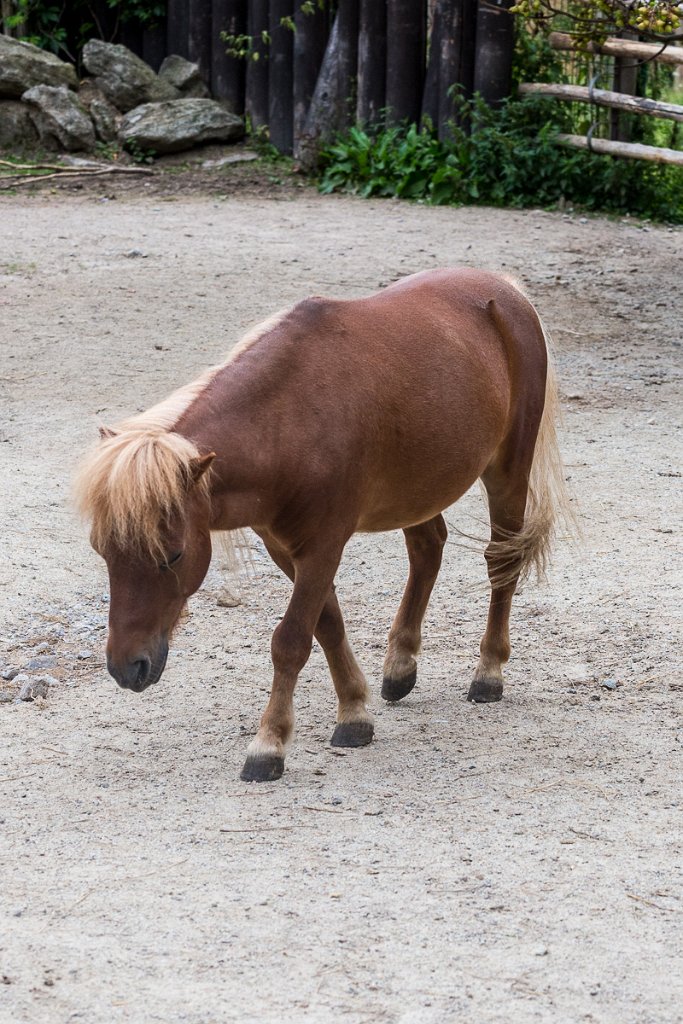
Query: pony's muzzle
(143, 671)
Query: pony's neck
(215, 421)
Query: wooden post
(199, 36)
(347, 60)
(494, 50)
(625, 80)
(257, 70)
(406, 59)
(227, 73)
(457, 58)
(310, 38)
(330, 108)
(154, 45)
(430, 94)
(372, 56)
(177, 28)
(130, 35)
(281, 77)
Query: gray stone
(33, 688)
(17, 130)
(177, 125)
(6, 697)
(23, 65)
(104, 115)
(184, 76)
(60, 119)
(225, 161)
(124, 78)
(42, 661)
(9, 673)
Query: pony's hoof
(485, 691)
(396, 689)
(262, 769)
(353, 734)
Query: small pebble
(609, 684)
(84, 655)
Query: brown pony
(332, 417)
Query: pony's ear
(199, 466)
(106, 432)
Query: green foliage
(509, 157)
(44, 22)
(38, 22)
(591, 21)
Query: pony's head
(146, 493)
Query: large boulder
(104, 115)
(184, 76)
(23, 65)
(17, 130)
(59, 118)
(123, 78)
(177, 125)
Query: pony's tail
(549, 508)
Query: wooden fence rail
(631, 150)
(603, 98)
(622, 48)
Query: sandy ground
(513, 863)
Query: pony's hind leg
(355, 726)
(507, 503)
(425, 548)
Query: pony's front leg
(355, 725)
(290, 648)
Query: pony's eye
(171, 560)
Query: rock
(42, 661)
(224, 161)
(33, 688)
(184, 76)
(6, 697)
(60, 119)
(9, 673)
(226, 599)
(104, 115)
(124, 79)
(84, 655)
(177, 125)
(17, 130)
(23, 65)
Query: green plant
(509, 157)
(50, 25)
(137, 154)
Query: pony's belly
(405, 511)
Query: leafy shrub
(503, 157)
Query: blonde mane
(136, 479)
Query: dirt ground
(501, 864)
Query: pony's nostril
(143, 666)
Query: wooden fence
(615, 101)
(311, 74)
